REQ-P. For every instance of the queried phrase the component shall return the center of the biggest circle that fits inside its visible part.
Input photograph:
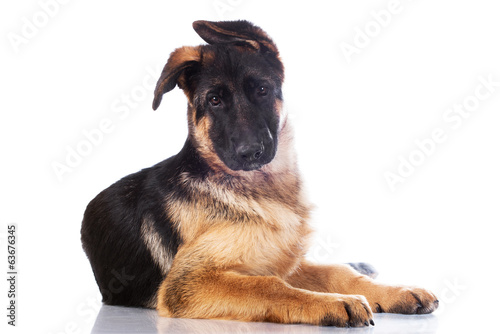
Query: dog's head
(233, 86)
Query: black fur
(111, 229)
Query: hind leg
(364, 268)
(341, 278)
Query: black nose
(250, 152)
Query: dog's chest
(274, 248)
(271, 244)
(257, 236)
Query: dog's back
(128, 238)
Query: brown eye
(262, 91)
(215, 100)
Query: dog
(220, 230)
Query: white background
(353, 121)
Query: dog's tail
(365, 269)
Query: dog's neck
(278, 182)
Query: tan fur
(223, 294)
(152, 240)
(343, 279)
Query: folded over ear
(175, 70)
(235, 32)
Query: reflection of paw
(407, 300)
(364, 268)
(347, 311)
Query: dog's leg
(220, 294)
(343, 279)
(364, 268)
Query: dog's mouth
(238, 165)
(247, 167)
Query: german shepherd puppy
(220, 230)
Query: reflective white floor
(113, 319)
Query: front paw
(345, 311)
(406, 300)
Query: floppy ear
(236, 32)
(174, 71)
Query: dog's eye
(215, 100)
(262, 90)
